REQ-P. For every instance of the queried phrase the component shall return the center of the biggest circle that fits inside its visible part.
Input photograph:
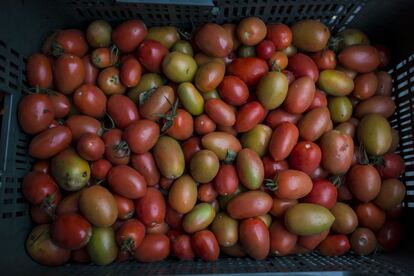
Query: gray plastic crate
(26, 23)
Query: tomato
(365, 86)
(182, 125)
(280, 34)
(127, 182)
(179, 67)
(50, 142)
(141, 135)
(346, 220)
(265, 49)
(150, 54)
(222, 144)
(60, 103)
(344, 194)
(305, 156)
(110, 82)
(81, 124)
(204, 166)
(39, 188)
(205, 245)
(150, 208)
(231, 30)
(68, 74)
(209, 76)
(392, 166)
(69, 204)
(363, 241)
(159, 102)
(169, 157)
(323, 193)
(271, 167)
(259, 203)
(116, 151)
(282, 242)
(226, 180)
(174, 218)
(318, 173)
(129, 34)
(167, 35)
(145, 164)
(91, 72)
(250, 70)
(130, 72)
(302, 65)
(199, 218)
(214, 40)
(190, 147)
(384, 55)
(280, 206)
(319, 100)
(381, 105)
(389, 235)
(272, 89)
(70, 41)
(251, 30)
(181, 247)
(250, 169)
(370, 216)
(90, 100)
(249, 115)
(153, 248)
(90, 147)
(255, 238)
(98, 33)
(204, 124)
(334, 245)
(392, 193)
(183, 46)
(130, 235)
(284, 138)
(220, 112)
(41, 166)
(314, 123)
(324, 59)
(39, 71)
(364, 182)
(300, 95)
(102, 247)
(80, 256)
(337, 151)
(35, 113)
(279, 115)
(122, 110)
(310, 242)
(292, 184)
(360, 58)
(125, 207)
(70, 231)
(104, 57)
(278, 61)
(375, 134)
(206, 192)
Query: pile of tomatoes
(250, 140)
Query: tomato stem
(145, 95)
(231, 155)
(270, 184)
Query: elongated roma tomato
(283, 140)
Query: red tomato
(384, 55)
(281, 205)
(279, 115)
(250, 70)
(312, 241)
(125, 207)
(282, 242)
(220, 112)
(129, 34)
(68, 74)
(141, 135)
(324, 59)
(233, 90)
(90, 100)
(150, 208)
(226, 180)
(145, 164)
(344, 194)
(302, 65)
(82, 124)
(370, 216)
(305, 156)
(280, 34)
(181, 247)
(39, 188)
(206, 192)
(392, 166)
(153, 248)
(173, 218)
(35, 113)
(151, 54)
(80, 256)
(122, 256)
(395, 212)
(323, 193)
(292, 184)
(104, 57)
(319, 100)
(40, 215)
(255, 238)
(39, 71)
(60, 103)
(389, 235)
(122, 110)
(334, 245)
(70, 41)
(278, 61)
(110, 81)
(50, 142)
(203, 125)
(100, 168)
(205, 245)
(190, 147)
(70, 231)
(90, 147)
(41, 166)
(272, 167)
(127, 182)
(116, 151)
(182, 125)
(130, 73)
(130, 235)
(284, 138)
(173, 234)
(249, 116)
(91, 72)
(265, 49)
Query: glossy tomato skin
(233, 90)
(389, 235)
(130, 73)
(282, 242)
(116, 151)
(364, 182)
(292, 184)
(323, 193)
(272, 167)
(213, 40)
(130, 235)
(151, 53)
(151, 208)
(173, 218)
(90, 100)
(141, 135)
(39, 71)
(190, 147)
(220, 112)
(82, 124)
(250, 70)
(41, 166)
(255, 238)
(392, 166)
(35, 113)
(50, 142)
(279, 115)
(302, 65)
(249, 115)
(205, 245)
(70, 41)
(265, 49)
(145, 164)
(181, 247)
(127, 182)
(363, 241)
(91, 72)
(300, 95)
(324, 59)
(226, 180)
(90, 147)
(204, 124)
(37, 186)
(71, 231)
(260, 203)
(312, 241)
(109, 81)
(281, 205)
(284, 139)
(129, 34)
(153, 248)
(334, 245)
(60, 103)
(182, 126)
(370, 216)
(122, 110)
(319, 100)
(69, 73)
(206, 192)
(305, 156)
(125, 206)
(280, 34)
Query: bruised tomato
(116, 150)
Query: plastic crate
(26, 23)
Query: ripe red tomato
(182, 125)
(250, 70)
(39, 71)
(109, 81)
(392, 166)
(292, 184)
(272, 167)
(181, 247)
(50, 142)
(127, 182)
(203, 124)
(284, 138)
(173, 218)
(279, 115)
(280, 34)
(226, 180)
(60, 103)
(90, 147)
(126, 207)
(278, 61)
(389, 235)
(280, 206)
(370, 216)
(190, 147)
(151, 208)
(151, 54)
(80, 256)
(205, 245)
(153, 248)
(206, 192)
(334, 245)
(82, 124)
(39, 215)
(35, 113)
(305, 156)
(104, 57)
(116, 151)
(91, 72)
(384, 55)
(68, 74)
(41, 166)
(130, 235)
(70, 231)
(70, 41)
(312, 241)
(90, 100)
(325, 59)
(323, 193)
(145, 164)
(255, 238)
(282, 242)
(129, 34)
(233, 90)
(220, 112)
(141, 135)
(302, 65)
(122, 110)
(319, 100)
(39, 188)
(265, 49)
(130, 73)
(249, 116)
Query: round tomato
(251, 31)
(100, 168)
(39, 71)
(35, 113)
(90, 147)
(278, 61)
(323, 193)
(68, 74)
(204, 124)
(71, 231)
(104, 57)
(249, 115)
(182, 125)
(116, 151)
(150, 208)
(153, 248)
(39, 188)
(129, 34)
(130, 73)
(122, 110)
(151, 53)
(141, 135)
(265, 49)
(110, 81)
(126, 207)
(127, 182)
(305, 156)
(205, 245)
(280, 34)
(363, 241)
(130, 235)
(181, 247)
(233, 90)
(334, 245)
(226, 180)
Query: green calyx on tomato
(231, 155)
(169, 117)
(145, 95)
